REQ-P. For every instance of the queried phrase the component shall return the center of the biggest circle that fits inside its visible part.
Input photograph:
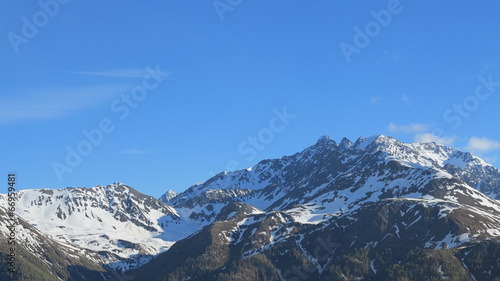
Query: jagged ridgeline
(373, 209)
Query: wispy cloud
(122, 73)
(411, 128)
(406, 100)
(480, 145)
(135, 151)
(490, 159)
(394, 56)
(374, 100)
(424, 138)
(55, 102)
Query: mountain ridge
(251, 215)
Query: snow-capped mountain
(39, 257)
(337, 177)
(370, 209)
(378, 202)
(169, 195)
(115, 220)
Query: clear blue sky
(171, 91)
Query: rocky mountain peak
(167, 196)
(345, 143)
(326, 141)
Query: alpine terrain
(373, 209)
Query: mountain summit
(328, 165)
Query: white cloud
(412, 128)
(374, 100)
(57, 102)
(424, 138)
(135, 151)
(482, 145)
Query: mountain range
(372, 209)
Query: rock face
(372, 209)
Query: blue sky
(163, 94)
